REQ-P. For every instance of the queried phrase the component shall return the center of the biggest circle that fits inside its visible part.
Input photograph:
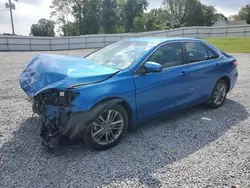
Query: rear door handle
(217, 65)
(183, 73)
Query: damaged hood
(61, 72)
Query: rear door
(156, 92)
(204, 70)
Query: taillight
(236, 63)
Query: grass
(231, 45)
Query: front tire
(107, 129)
(219, 94)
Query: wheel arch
(118, 100)
(227, 80)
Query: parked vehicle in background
(97, 98)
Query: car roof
(161, 40)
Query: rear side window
(199, 52)
(168, 55)
(196, 52)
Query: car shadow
(157, 143)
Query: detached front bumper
(58, 122)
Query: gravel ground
(184, 150)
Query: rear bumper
(234, 79)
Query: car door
(204, 71)
(156, 92)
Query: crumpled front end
(55, 109)
(49, 80)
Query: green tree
(176, 10)
(61, 9)
(194, 13)
(93, 16)
(117, 16)
(44, 27)
(248, 18)
(243, 14)
(129, 9)
(190, 13)
(87, 15)
(210, 15)
(140, 24)
(157, 19)
(70, 29)
(109, 17)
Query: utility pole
(11, 6)
(11, 17)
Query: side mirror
(152, 67)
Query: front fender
(119, 86)
(79, 121)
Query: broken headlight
(56, 97)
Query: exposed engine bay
(54, 107)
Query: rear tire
(218, 95)
(107, 130)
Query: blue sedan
(98, 97)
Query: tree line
(120, 16)
(243, 14)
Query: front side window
(168, 55)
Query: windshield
(120, 55)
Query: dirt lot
(184, 150)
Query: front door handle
(183, 73)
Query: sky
(29, 12)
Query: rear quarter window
(225, 54)
(212, 54)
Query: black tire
(89, 141)
(211, 103)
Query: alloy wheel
(107, 127)
(220, 93)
